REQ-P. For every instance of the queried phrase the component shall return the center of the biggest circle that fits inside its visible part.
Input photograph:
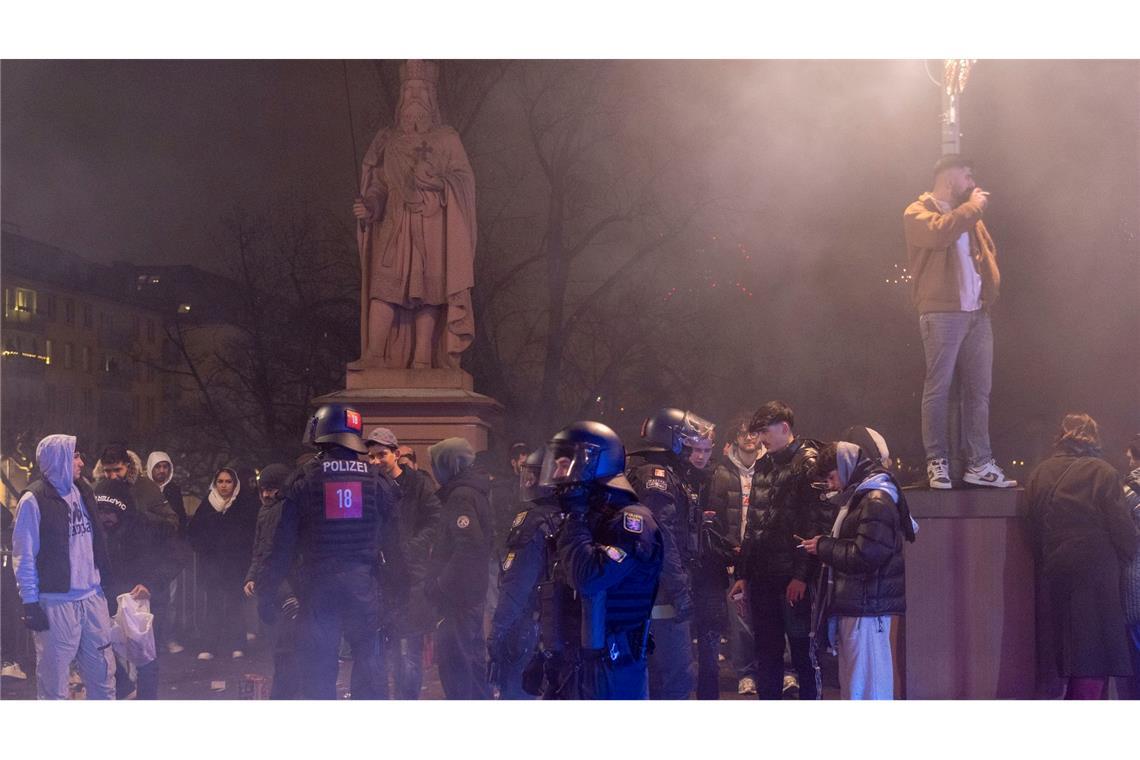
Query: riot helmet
(339, 424)
(529, 474)
(584, 453)
(673, 429)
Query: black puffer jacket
(788, 506)
(726, 498)
(867, 558)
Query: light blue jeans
(960, 342)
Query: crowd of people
(582, 572)
(773, 549)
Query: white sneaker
(746, 685)
(174, 647)
(988, 474)
(237, 654)
(938, 473)
(205, 656)
(13, 670)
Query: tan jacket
(931, 239)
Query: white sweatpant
(78, 631)
(866, 670)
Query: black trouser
(336, 604)
(462, 654)
(772, 620)
(223, 625)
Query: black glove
(35, 617)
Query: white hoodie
(154, 458)
(55, 456)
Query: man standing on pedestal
(417, 240)
(954, 265)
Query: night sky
(137, 160)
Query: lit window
(25, 300)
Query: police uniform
(514, 630)
(661, 490)
(596, 603)
(334, 514)
(709, 573)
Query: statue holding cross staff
(417, 240)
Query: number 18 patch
(344, 501)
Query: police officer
(514, 632)
(598, 590)
(335, 513)
(708, 569)
(655, 473)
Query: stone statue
(417, 236)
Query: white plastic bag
(132, 630)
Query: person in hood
(955, 280)
(732, 495)
(1084, 538)
(863, 559)
(160, 471)
(61, 560)
(221, 534)
(140, 567)
(457, 578)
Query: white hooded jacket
(55, 456)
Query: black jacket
(458, 572)
(787, 505)
(867, 558)
(418, 518)
(224, 541)
(726, 498)
(660, 489)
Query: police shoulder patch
(463, 521)
(510, 558)
(614, 553)
(658, 484)
(658, 472)
(519, 519)
(633, 523)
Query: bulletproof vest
(651, 472)
(559, 606)
(629, 603)
(569, 622)
(340, 516)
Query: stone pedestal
(421, 407)
(970, 627)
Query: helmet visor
(695, 428)
(565, 463)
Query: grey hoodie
(55, 456)
(449, 457)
